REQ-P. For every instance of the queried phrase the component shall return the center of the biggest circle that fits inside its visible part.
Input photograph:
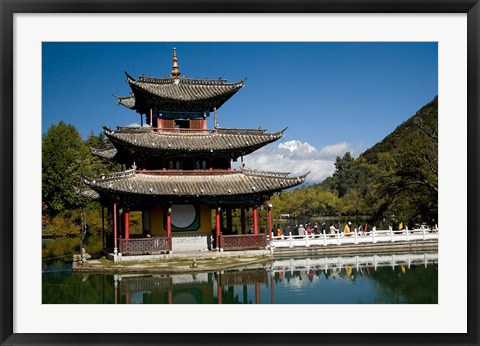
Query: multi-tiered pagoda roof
(180, 170)
(234, 188)
(191, 100)
(231, 143)
(177, 94)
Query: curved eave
(108, 153)
(88, 193)
(126, 101)
(241, 183)
(162, 93)
(236, 142)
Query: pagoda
(180, 174)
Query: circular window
(183, 215)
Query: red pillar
(115, 246)
(169, 222)
(159, 122)
(242, 220)
(126, 223)
(217, 227)
(204, 123)
(255, 220)
(257, 293)
(270, 226)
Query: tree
(64, 158)
(344, 163)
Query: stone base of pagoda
(138, 258)
(191, 243)
(172, 255)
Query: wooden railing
(243, 241)
(145, 246)
(183, 130)
(188, 172)
(374, 236)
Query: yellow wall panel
(157, 222)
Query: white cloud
(298, 158)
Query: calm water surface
(397, 279)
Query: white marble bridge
(372, 237)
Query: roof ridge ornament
(175, 72)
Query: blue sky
(333, 97)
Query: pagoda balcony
(193, 172)
(145, 246)
(184, 130)
(243, 241)
(147, 129)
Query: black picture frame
(9, 8)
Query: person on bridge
(301, 230)
(365, 228)
(308, 228)
(332, 229)
(323, 228)
(346, 229)
(286, 230)
(274, 231)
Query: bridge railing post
(290, 240)
(324, 238)
(424, 234)
(391, 235)
(374, 230)
(306, 240)
(406, 230)
(338, 238)
(356, 240)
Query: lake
(380, 279)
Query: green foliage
(397, 178)
(66, 223)
(307, 203)
(404, 180)
(64, 159)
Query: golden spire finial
(175, 72)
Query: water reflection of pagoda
(181, 171)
